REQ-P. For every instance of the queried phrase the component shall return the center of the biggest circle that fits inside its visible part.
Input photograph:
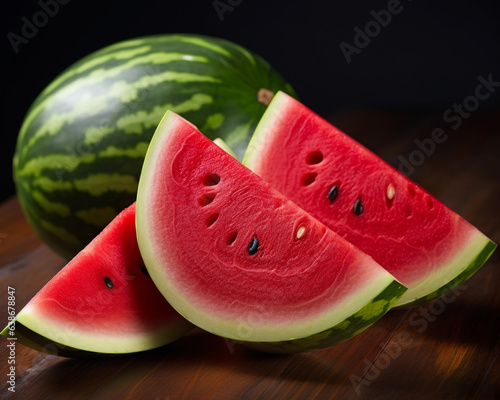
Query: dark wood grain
(445, 349)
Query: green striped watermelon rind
(348, 328)
(465, 275)
(82, 143)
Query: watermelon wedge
(103, 302)
(238, 259)
(423, 243)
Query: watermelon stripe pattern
(467, 273)
(347, 329)
(83, 141)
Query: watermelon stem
(264, 96)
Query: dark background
(429, 55)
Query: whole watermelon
(82, 143)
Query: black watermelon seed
(358, 207)
(333, 193)
(253, 246)
(144, 270)
(109, 283)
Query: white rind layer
(110, 343)
(442, 276)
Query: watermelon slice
(424, 244)
(238, 259)
(102, 302)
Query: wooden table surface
(445, 349)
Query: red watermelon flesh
(103, 301)
(238, 259)
(423, 243)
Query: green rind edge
(350, 327)
(467, 273)
(35, 341)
